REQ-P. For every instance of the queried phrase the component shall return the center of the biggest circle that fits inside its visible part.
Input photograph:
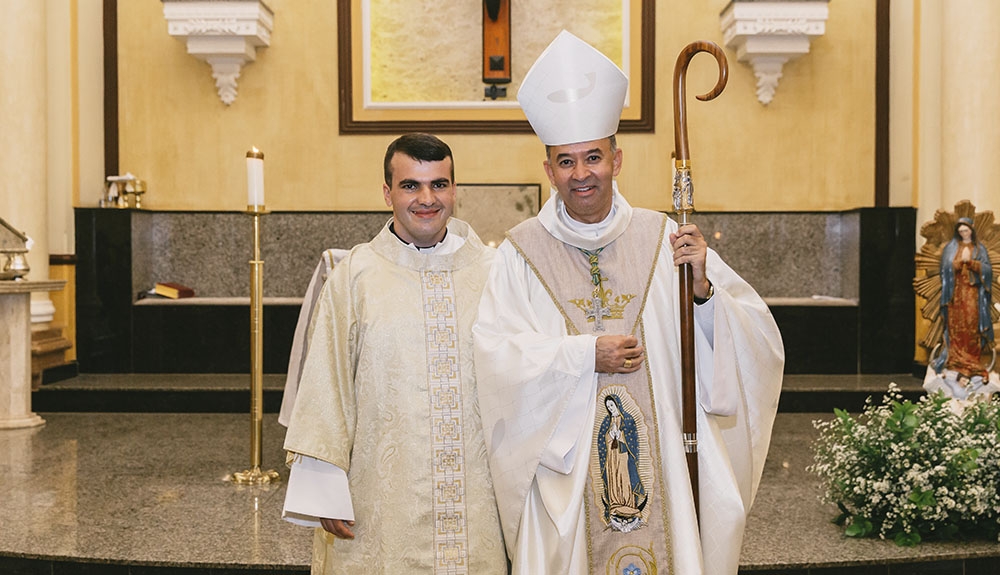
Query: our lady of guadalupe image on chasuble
(604, 292)
(620, 437)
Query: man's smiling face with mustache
(583, 173)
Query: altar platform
(127, 477)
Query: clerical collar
(449, 244)
(557, 221)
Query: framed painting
(423, 67)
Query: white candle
(255, 177)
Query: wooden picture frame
(356, 118)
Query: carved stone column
(970, 117)
(946, 134)
(23, 148)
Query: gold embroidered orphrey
(626, 507)
(451, 535)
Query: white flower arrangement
(913, 471)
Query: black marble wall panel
(124, 252)
(104, 290)
(887, 302)
(818, 339)
(861, 255)
(209, 338)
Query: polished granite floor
(146, 493)
(145, 489)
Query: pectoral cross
(598, 311)
(496, 46)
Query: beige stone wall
(810, 149)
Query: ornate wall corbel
(768, 34)
(225, 34)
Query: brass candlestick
(254, 475)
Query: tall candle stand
(255, 207)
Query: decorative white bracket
(224, 33)
(769, 34)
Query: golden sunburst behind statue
(927, 283)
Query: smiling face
(422, 197)
(583, 174)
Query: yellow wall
(811, 148)
(65, 302)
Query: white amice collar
(554, 218)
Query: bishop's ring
(628, 363)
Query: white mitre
(572, 93)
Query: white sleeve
(534, 380)
(316, 489)
(560, 453)
(704, 316)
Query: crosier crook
(683, 205)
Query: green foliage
(860, 527)
(912, 472)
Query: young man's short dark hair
(420, 147)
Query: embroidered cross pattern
(597, 311)
(600, 306)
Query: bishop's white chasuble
(589, 469)
(597, 291)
